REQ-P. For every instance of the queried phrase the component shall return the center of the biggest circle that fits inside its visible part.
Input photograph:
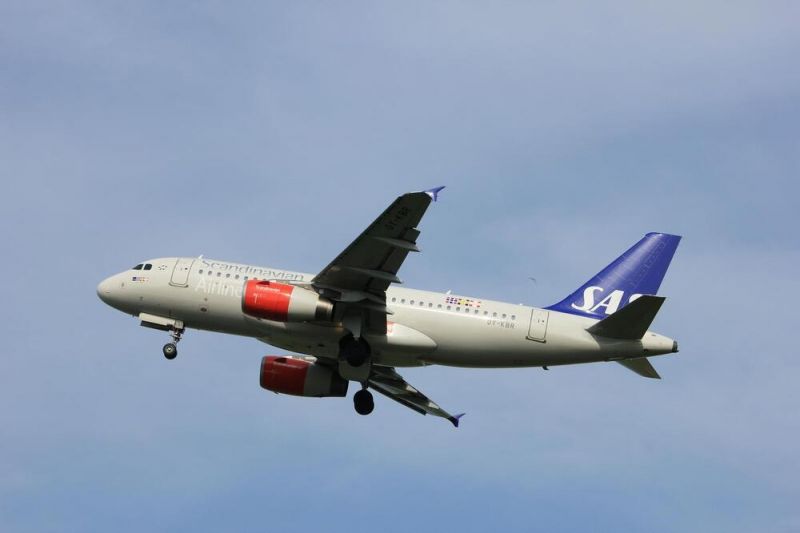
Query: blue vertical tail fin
(638, 271)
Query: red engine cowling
(284, 303)
(300, 378)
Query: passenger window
(458, 309)
(237, 276)
(448, 307)
(219, 274)
(200, 271)
(421, 304)
(504, 316)
(394, 299)
(245, 278)
(209, 272)
(513, 317)
(430, 305)
(494, 315)
(485, 313)
(411, 302)
(227, 275)
(439, 306)
(403, 301)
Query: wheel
(355, 352)
(363, 402)
(170, 350)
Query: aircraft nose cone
(104, 290)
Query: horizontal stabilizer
(641, 366)
(630, 322)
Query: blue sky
(272, 133)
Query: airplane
(352, 322)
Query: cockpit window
(148, 266)
(138, 267)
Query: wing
(360, 275)
(392, 385)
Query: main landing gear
(170, 349)
(355, 365)
(354, 351)
(363, 402)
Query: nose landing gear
(363, 402)
(170, 349)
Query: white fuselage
(424, 327)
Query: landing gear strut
(363, 402)
(355, 351)
(170, 349)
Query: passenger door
(180, 274)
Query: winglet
(434, 193)
(454, 419)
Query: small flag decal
(466, 302)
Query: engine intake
(284, 303)
(300, 378)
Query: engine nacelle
(300, 378)
(284, 303)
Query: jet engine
(298, 377)
(284, 303)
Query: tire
(170, 351)
(363, 402)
